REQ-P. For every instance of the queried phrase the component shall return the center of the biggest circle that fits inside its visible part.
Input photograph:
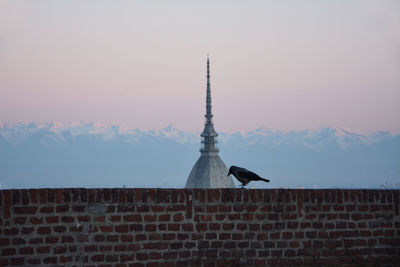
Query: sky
(282, 65)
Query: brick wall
(216, 227)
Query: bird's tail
(265, 180)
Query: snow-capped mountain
(95, 155)
(56, 131)
(312, 139)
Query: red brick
(16, 196)
(100, 219)
(311, 216)
(26, 250)
(350, 208)
(43, 195)
(228, 226)
(201, 227)
(105, 248)
(140, 237)
(106, 229)
(157, 208)
(164, 218)
(17, 261)
(84, 218)
(83, 238)
(287, 235)
(34, 261)
(34, 195)
(91, 248)
(67, 219)
(211, 209)
(290, 253)
(44, 230)
(9, 252)
(141, 256)
(27, 230)
(150, 228)
(115, 218)
(59, 229)
(176, 208)
(275, 235)
(178, 217)
(173, 227)
(248, 216)
(150, 218)
(122, 228)
(224, 208)
(97, 258)
(78, 208)
(36, 220)
(224, 236)
(254, 227)
(25, 210)
(20, 220)
(35, 241)
(155, 255)
(112, 258)
(62, 209)
(288, 216)
(65, 259)
(43, 250)
(125, 258)
(60, 249)
(389, 233)
(304, 225)
(51, 239)
(67, 239)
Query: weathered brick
(60, 249)
(62, 209)
(9, 252)
(26, 210)
(97, 258)
(344, 224)
(124, 228)
(43, 250)
(18, 241)
(17, 261)
(44, 230)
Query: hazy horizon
(192, 131)
(96, 155)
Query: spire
(208, 99)
(209, 171)
(209, 136)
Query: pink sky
(284, 65)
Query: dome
(209, 172)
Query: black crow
(245, 176)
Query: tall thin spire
(209, 136)
(208, 99)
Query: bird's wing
(253, 176)
(250, 175)
(247, 174)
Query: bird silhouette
(245, 176)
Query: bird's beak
(228, 173)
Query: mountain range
(82, 154)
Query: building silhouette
(209, 171)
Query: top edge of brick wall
(187, 196)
